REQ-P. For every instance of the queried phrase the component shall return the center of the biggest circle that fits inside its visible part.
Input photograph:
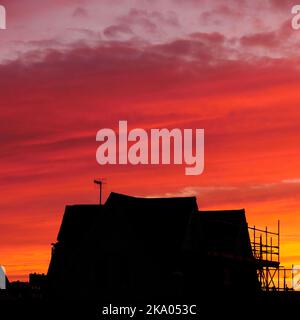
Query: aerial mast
(99, 182)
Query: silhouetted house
(37, 284)
(19, 290)
(143, 248)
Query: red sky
(70, 68)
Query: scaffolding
(266, 251)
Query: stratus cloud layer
(69, 68)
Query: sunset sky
(69, 68)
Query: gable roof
(154, 223)
(226, 231)
(76, 223)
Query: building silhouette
(139, 249)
